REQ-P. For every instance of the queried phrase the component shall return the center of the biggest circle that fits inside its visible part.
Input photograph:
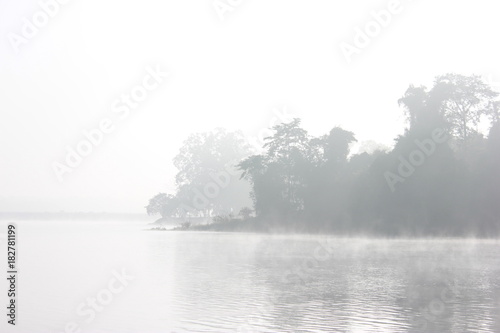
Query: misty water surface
(230, 282)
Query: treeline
(441, 178)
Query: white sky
(228, 73)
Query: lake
(79, 276)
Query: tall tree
(463, 100)
(287, 149)
(277, 175)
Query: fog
(250, 166)
(229, 73)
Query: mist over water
(249, 166)
(238, 282)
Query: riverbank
(375, 228)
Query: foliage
(163, 204)
(310, 183)
(207, 181)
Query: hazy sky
(71, 75)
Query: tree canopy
(440, 178)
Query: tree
(313, 182)
(328, 182)
(287, 150)
(163, 204)
(277, 176)
(207, 180)
(421, 110)
(463, 100)
(337, 146)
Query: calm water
(223, 282)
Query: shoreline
(265, 227)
